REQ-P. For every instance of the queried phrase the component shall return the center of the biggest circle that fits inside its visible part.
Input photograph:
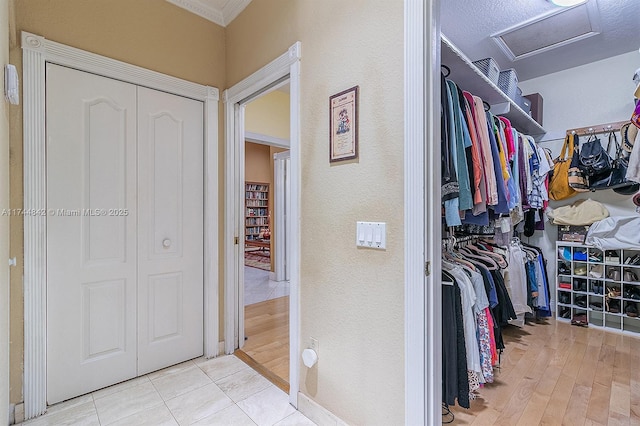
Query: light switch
(371, 234)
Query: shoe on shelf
(597, 288)
(633, 260)
(582, 302)
(596, 271)
(614, 306)
(634, 293)
(595, 256)
(613, 292)
(566, 314)
(564, 253)
(631, 309)
(580, 284)
(564, 298)
(614, 274)
(580, 256)
(564, 269)
(630, 276)
(596, 306)
(580, 270)
(580, 320)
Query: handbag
(594, 160)
(559, 188)
(616, 178)
(578, 180)
(619, 182)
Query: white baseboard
(317, 413)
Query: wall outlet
(313, 344)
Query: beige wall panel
(269, 115)
(4, 220)
(352, 300)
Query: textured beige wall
(352, 299)
(153, 34)
(256, 163)
(269, 115)
(4, 220)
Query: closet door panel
(170, 275)
(91, 252)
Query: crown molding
(222, 17)
(232, 9)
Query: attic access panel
(549, 31)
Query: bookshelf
(256, 213)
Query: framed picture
(343, 125)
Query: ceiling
(221, 12)
(470, 24)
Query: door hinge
(427, 268)
(236, 240)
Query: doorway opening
(282, 71)
(265, 303)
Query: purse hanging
(594, 160)
(603, 179)
(619, 182)
(559, 188)
(578, 180)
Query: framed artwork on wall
(343, 125)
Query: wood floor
(266, 348)
(553, 373)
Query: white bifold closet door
(124, 231)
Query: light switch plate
(371, 235)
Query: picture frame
(343, 125)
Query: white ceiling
(221, 12)
(469, 24)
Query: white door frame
(283, 211)
(423, 294)
(37, 51)
(235, 98)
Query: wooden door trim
(37, 52)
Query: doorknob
(166, 243)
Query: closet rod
(600, 128)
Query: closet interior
(515, 265)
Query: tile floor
(221, 391)
(258, 287)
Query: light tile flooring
(258, 287)
(220, 391)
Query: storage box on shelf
(604, 286)
(471, 78)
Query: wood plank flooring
(553, 373)
(267, 346)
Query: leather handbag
(616, 178)
(578, 180)
(594, 160)
(559, 188)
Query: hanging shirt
(451, 205)
(479, 205)
(501, 206)
(461, 141)
(485, 144)
(516, 278)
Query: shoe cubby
(604, 285)
(612, 257)
(580, 284)
(596, 303)
(596, 287)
